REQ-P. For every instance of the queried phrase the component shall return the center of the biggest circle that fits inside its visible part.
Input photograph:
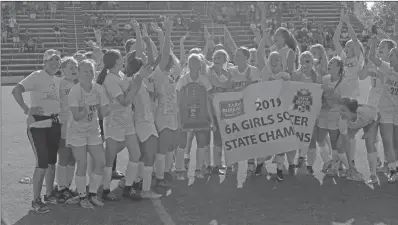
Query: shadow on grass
(122, 212)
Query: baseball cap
(50, 53)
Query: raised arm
(166, 47)
(149, 45)
(229, 40)
(337, 33)
(138, 44)
(261, 50)
(372, 51)
(182, 49)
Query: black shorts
(45, 142)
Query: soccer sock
(89, 165)
(70, 172)
(372, 160)
(160, 163)
(206, 156)
(290, 156)
(95, 181)
(147, 178)
(303, 152)
(325, 154)
(180, 159)
(279, 161)
(107, 178)
(343, 158)
(131, 173)
(217, 154)
(61, 177)
(169, 161)
(199, 157)
(140, 172)
(311, 156)
(81, 185)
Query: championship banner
(256, 122)
(304, 104)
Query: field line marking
(164, 216)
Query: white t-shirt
(267, 75)
(116, 85)
(64, 89)
(186, 79)
(92, 101)
(350, 83)
(376, 85)
(44, 91)
(250, 73)
(390, 92)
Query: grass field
(299, 200)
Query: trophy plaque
(193, 107)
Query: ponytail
(101, 76)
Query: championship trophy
(193, 108)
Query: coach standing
(44, 129)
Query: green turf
(299, 200)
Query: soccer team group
(105, 102)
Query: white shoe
(392, 177)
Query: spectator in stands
(86, 21)
(53, 9)
(38, 43)
(30, 45)
(57, 32)
(4, 35)
(15, 37)
(24, 7)
(94, 18)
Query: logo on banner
(231, 109)
(302, 101)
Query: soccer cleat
(279, 175)
(373, 179)
(95, 200)
(310, 171)
(107, 195)
(219, 170)
(392, 177)
(301, 162)
(292, 169)
(129, 192)
(258, 169)
(39, 206)
(326, 166)
(162, 183)
(52, 199)
(85, 203)
(180, 175)
(137, 185)
(121, 183)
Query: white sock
(95, 181)
(147, 178)
(217, 155)
(372, 160)
(180, 159)
(242, 173)
(140, 173)
(107, 178)
(81, 185)
(61, 177)
(343, 158)
(200, 154)
(131, 173)
(325, 154)
(70, 172)
(160, 163)
(280, 160)
(290, 156)
(89, 166)
(169, 161)
(206, 156)
(311, 156)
